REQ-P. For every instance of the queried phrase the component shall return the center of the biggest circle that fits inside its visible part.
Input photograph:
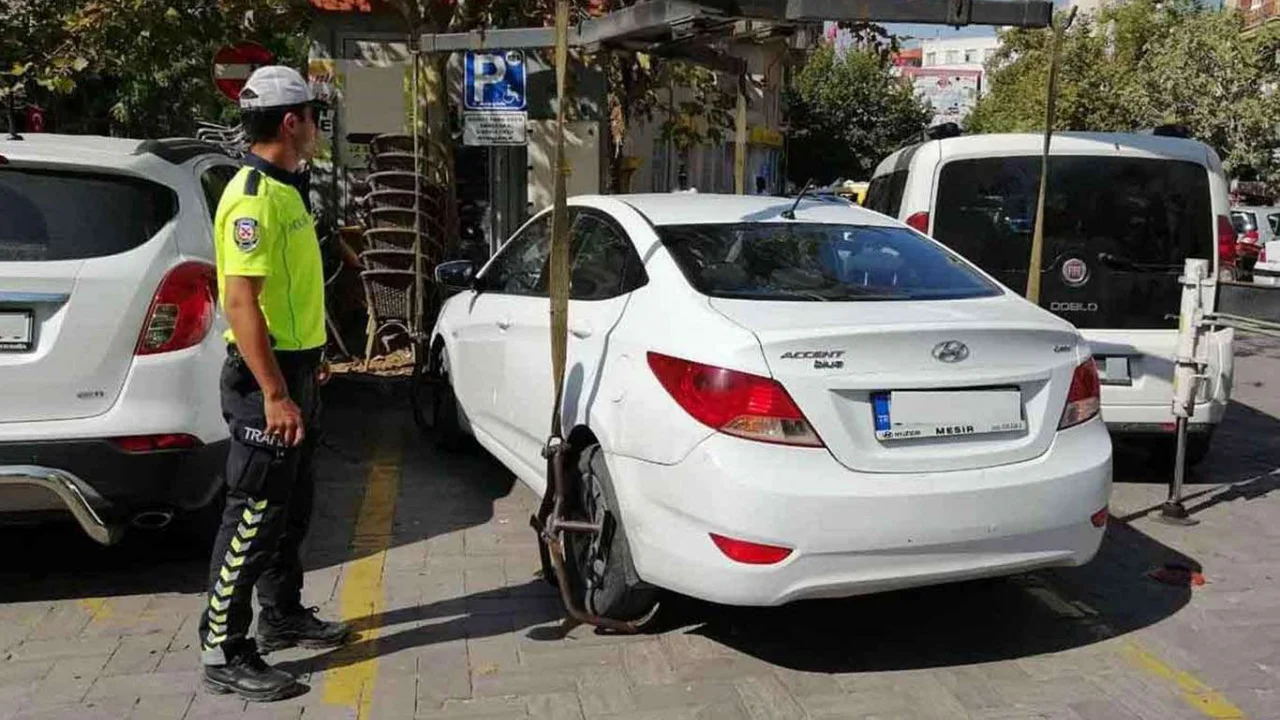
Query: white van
(1123, 212)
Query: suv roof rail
(944, 130)
(1172, 130)
(178, 150)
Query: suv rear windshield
(1117, 231)
(54, 215)
(818, 262)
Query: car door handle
(581, 331)
(504, 323)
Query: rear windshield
(1117, 230)
(818, 262)
(1244, 221)
(1274, 221)
(53, 215)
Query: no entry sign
(233, 64)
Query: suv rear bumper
(102, 486)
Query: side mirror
(456, 275)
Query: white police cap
(275, 86)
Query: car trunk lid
(845, 363)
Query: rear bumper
(855, 533)
(1267, 273)
(1147, 419)
(102, 486)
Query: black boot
(248, 676)
(277, 630)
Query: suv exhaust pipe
(152, 519)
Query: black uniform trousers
(270, 492)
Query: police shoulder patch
(246, 234)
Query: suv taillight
(1084, 399)
(1251, 237)
(1226, 242)
(919, 221)
(181, 311)
(735, 403)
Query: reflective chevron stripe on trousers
(270, 491)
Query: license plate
(15, 330)
(1114, 370)
(906, 415)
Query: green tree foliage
(847, 114)
(1145, 63)
(141, 68)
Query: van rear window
(1117, 230)
(48, 215)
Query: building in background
(950, 74)
(1256, 12)
(963, 53)
(359, 53)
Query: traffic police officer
(271, 288)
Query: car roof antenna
(790, 213)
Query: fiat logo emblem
(951, 351)
(1074, 272)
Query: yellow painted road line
(351, 684)
(98, 608)
(1198, 695)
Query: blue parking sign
(494, 80)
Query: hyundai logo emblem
(951, 351)
(1074, 272)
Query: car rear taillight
(919, 221)
(1085, 396)
(1262, 255)
(181, 312)
(736, 403)
(1226, 242)
(750, 553)
(1251, 237)
(153, 443)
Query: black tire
(599, 566)
(435, 407)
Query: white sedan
(768, 406)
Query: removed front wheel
(599, 565)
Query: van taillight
(1226, 242)
(919, 221)
(181, 311)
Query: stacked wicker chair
(394, 184)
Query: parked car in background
(767, 406)
(109, 332)
(1267, 270)
(1123, 214)
(1255, 227)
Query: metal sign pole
(1037, 240)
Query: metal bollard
(1187, 374)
